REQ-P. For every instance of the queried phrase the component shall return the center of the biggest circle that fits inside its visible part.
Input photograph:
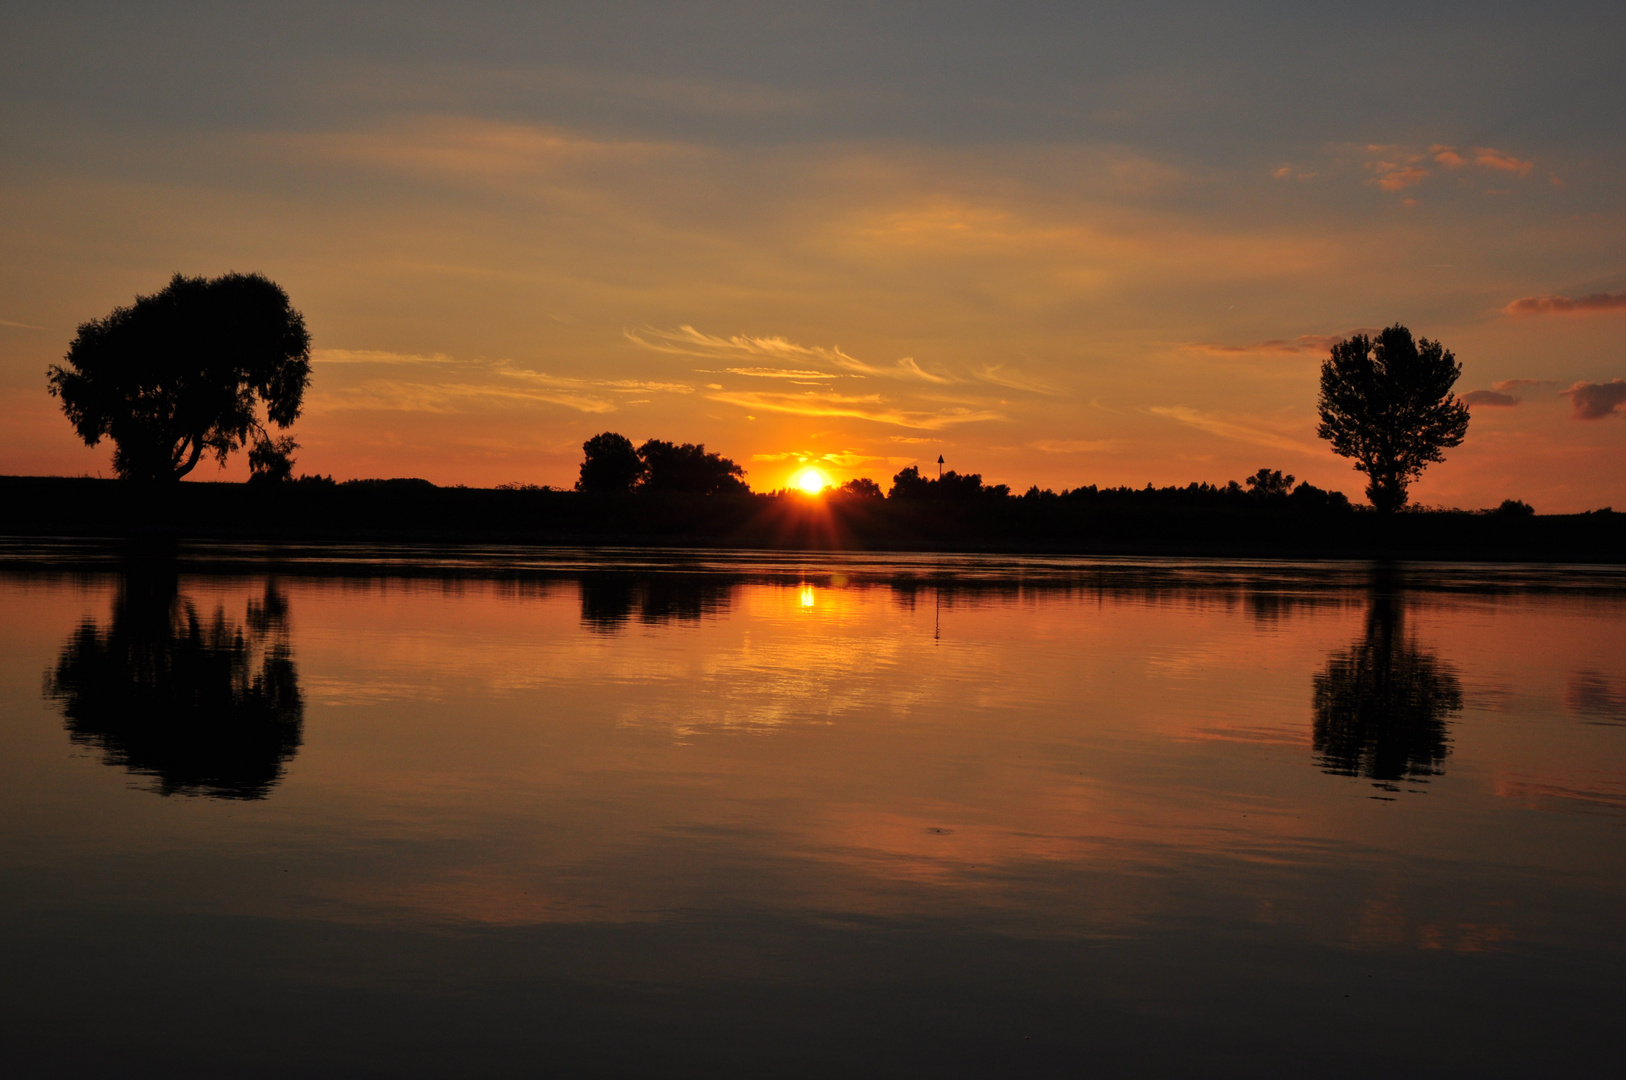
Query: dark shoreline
(391, 513)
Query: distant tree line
(1267, 487)
(611, 465)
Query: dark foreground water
(509, 814)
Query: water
(501, 812)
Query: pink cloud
(1493, 398)
(1494, 159)
(1448, 156)
(1401, 179)
(1564, 305)
(1594, 401)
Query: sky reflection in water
(1206, 820)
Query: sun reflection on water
(807, 596)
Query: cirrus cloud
(687, 341)
(872, 407)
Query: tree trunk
(191, 462)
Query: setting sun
(812, 481)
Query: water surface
(502, 812)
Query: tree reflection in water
(609, 600)
(204, 707)
(1382, 705)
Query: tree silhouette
(609, 600)
(182, 372)
(862, 488)
(909, 485)
(609, 464)
(205, 707)
(1381, 706)
(1269, 483)
(1387, 403)
(689, 470)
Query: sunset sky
(1057, 244)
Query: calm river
(502, 813)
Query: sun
(811, 481)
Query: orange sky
(1053, 250)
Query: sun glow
(811, 481)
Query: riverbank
(1114, 523)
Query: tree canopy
(609, 464)
(687, 468)
(183, 372)
(1270, 484)
(1387, 403)
(908, 484)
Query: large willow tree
(184, 372)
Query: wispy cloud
(1594, 401)
(1000, 375)
(375, 356)
(21, 325)
(1075, 446)
(780, 373)
(468, 148)
(1231, 429)
(839, 459)
(687, 341)
(1493, 398)
(1564, 305)
(506, 369)
(404, 396)
(870, 407)
(1304, 343)
(473, 384)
